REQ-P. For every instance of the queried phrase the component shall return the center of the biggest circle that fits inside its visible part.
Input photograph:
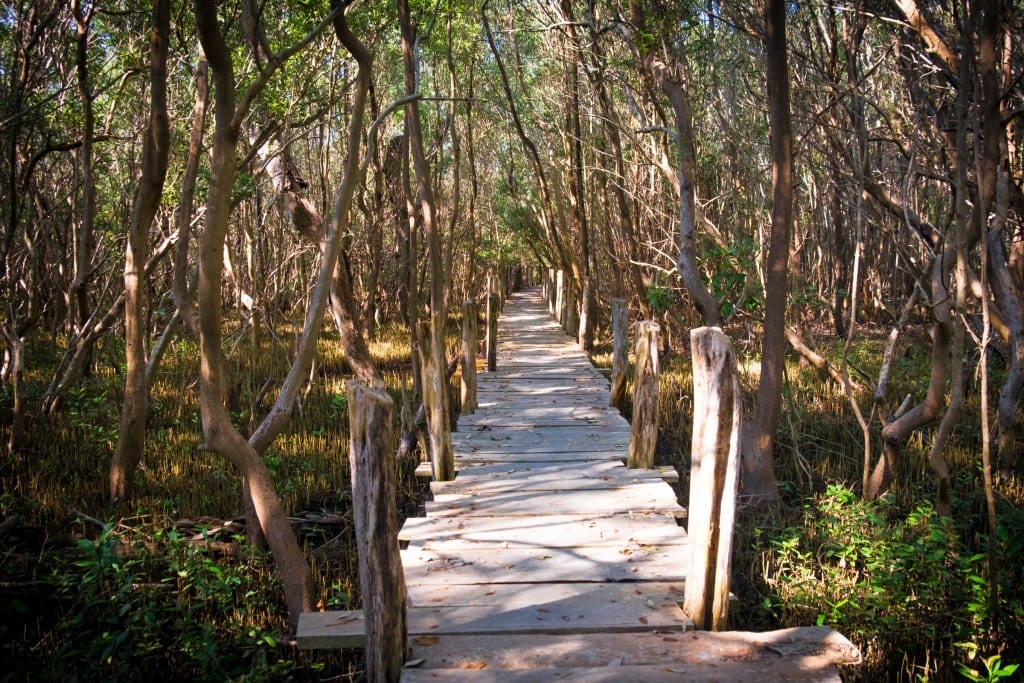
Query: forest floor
(169, 589)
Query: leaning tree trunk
(219, 433)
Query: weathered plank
(540, 440)
(764, 671)
(708, 654)
(654, 496)
(499, 456)
(631, 562)
(541, 416)
(550, 531)
(592, 475)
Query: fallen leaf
(426, 641)
(670, 639)
(643, 620)
(413, 663)
(475, 666)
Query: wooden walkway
(545, 544)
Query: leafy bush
(159, 608)
(909, 590)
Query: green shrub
(908, 589)
(161, 609)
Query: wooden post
(372, 467)
(435, 403)
(570, 323)
(620, 354)
(717, 411)
(643, 433)
(560, 296)
(492, 333)
(469, 333)
(585, 339)
(552, 292)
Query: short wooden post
(552, 291)
(585, 337)
(435, 403)
(717, 411)
(372, 467)
(492, 333)
(560, 297)
(572, 312)
(620, 354)
(469, 334)
(643, 433)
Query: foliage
(907, 587)
(132, 606)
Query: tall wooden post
(492, 332)
(620, 354)
(643, 434)
(717, 411)
(469, 334)
(372, 467)
(435, 403)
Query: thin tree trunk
(434, 385)
(758, 477)
(131, 439)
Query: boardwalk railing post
(435, 403)
(620, 354)
(552, 292)
(572, 312)
(376, 528)
(713, 475)
(492, 333)
(643, 434)
(560, 297)
(469, 334)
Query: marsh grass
(134, 598)
(908, 587)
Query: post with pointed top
(492, 332)
(620, 354)
(469, 334)
(643, 434)
(717, 412)
(381, 576)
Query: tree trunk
(131, 438)
(434, 383)
(759, 485)
(620, 354)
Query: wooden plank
(553, 531)
(501, 382)
(461, 459)
(638, 597)
(591, 475)
(540, 440)
(764, 670)
(631, 562)
(643, 497)
(815, 646)
(577, 611)
(544, 415)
